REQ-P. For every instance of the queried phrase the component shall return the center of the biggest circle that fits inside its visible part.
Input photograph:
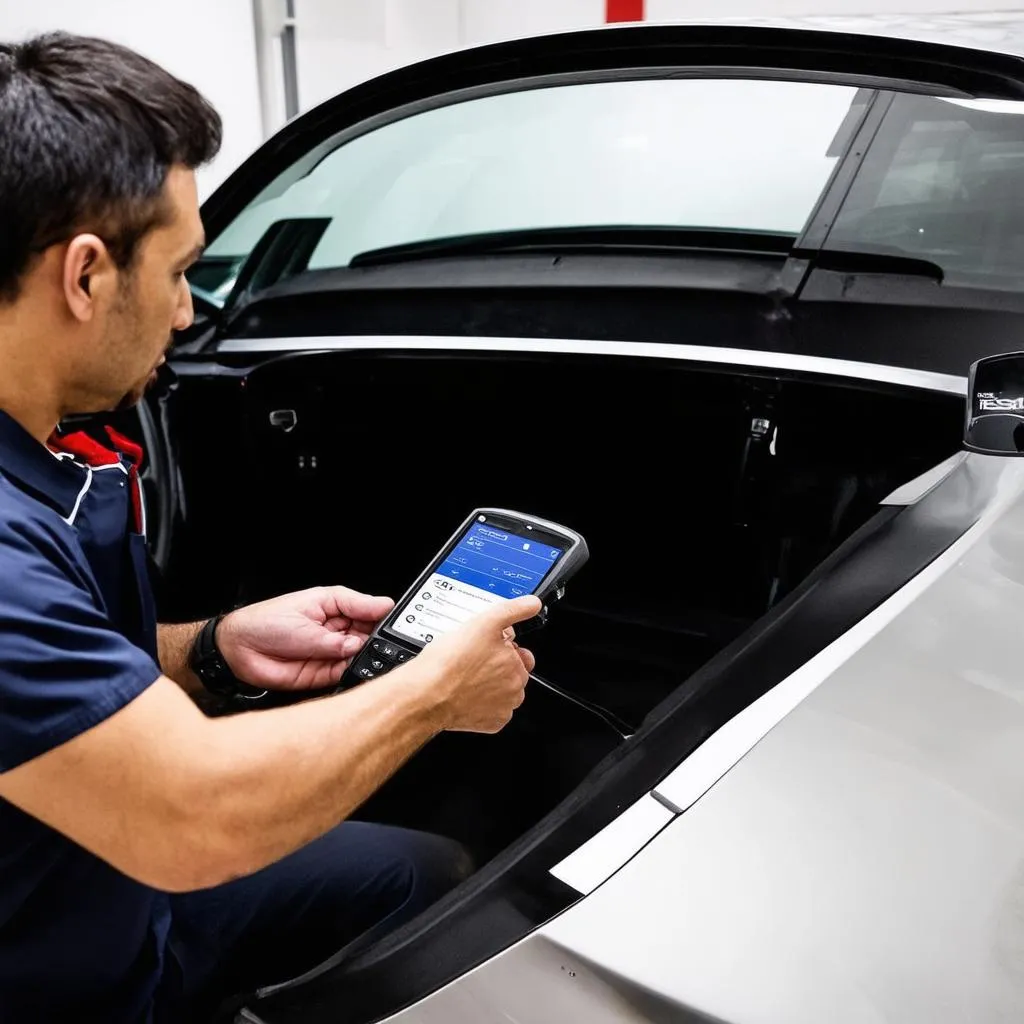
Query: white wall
(209, 43)
(682, 10)
(343, 42)
(989, 24)
(486, 21)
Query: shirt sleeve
(63, 666)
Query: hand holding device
(480, 672)
(495, 556)
(296, 642)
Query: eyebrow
(193, 255)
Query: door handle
(284, 419)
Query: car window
(944, 181)
(729, 154)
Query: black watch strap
(212, 668)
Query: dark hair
(88, 132)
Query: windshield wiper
(853, 261)
(583, 240)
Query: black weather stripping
(598, 239)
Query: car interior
(705, 494)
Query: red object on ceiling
(623, 10)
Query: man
(152, 859)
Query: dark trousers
(293, 915)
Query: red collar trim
(92, 452)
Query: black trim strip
(834, 195)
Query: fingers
(313, 675)
(328, 646)
(527, 658)
(341, 601)
(327, 672)
(507, 613)
(361, 627)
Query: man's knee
(359, 881)
(438, 864)
(389, 874)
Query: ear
(90, 276)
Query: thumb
(329, 645)
(508, 613)
(336, 602)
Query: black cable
(623, 729)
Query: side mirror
(995, 406)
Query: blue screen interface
(487, 565)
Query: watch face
(214, 672)
(214, 680)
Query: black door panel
(902, 321)
(204, 418)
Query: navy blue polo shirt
(78, 939)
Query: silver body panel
(862, 862)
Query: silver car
(711, 297)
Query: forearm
(174, 642)
(280, 778)
(180, 801)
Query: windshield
(944, 181)
(752, 156)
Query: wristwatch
(212, 668)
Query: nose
(184, 314)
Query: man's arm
(174, 642)
(299, 641)
(179, 801)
